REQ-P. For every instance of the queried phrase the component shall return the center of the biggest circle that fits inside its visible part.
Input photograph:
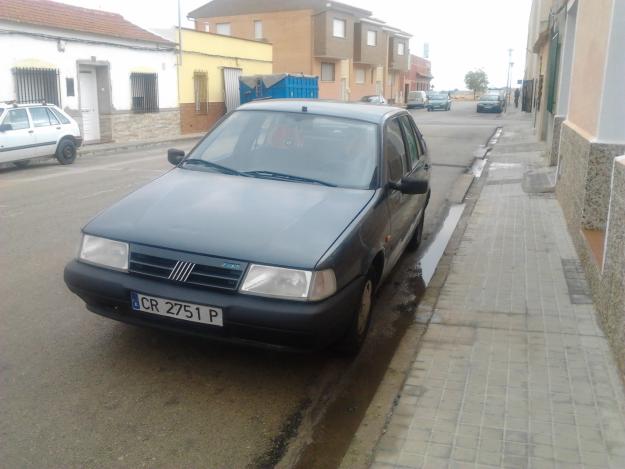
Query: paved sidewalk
(513, 370)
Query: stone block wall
(613, 281)
(554, 151)
(129, 126)
(591, 191)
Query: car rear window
(337, 151)
(59, 115)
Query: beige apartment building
(353, 54)
(581, 113)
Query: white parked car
(30, 131)
(417, 99)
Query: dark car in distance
(439, 101)
(490, 103)
(276, 229)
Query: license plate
(177, 309)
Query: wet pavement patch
(435, 250)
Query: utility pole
(510, 64)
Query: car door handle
(31, 131)
(58, 128)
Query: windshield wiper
(210, 164)
(286, 177)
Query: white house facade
(119, 82)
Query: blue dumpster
(278, 86)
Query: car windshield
(438, 96)
(297, 147)
(413, 95)
(491, 97)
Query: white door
(17, 139)
(232, 97)
(89, 105)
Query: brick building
(420, 74)
(352, 53)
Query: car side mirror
(5, 127)
(411, 185)
(175, 156)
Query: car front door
(47, 130)
(17, 140)
(399, 204)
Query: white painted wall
(123, 57)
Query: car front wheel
(352, 342)
(66, 152)
(417, 236)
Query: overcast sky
(463, 34)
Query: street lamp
(510, 65)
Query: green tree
(476, 80)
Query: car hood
(250, 219)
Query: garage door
(231, 88)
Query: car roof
(18, 105)
(357, 111)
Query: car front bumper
(247, 319)
(488, 109)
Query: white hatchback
(30, 131)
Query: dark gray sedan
(276, 229)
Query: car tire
(417, 236)
(66, 151)
(21, 163)
(354, 338)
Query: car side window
(411, 141)
(40, 116)
(394, 150)
(18, 118)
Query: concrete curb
(104, 149)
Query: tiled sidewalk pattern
(511, 372)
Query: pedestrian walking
(517, 95)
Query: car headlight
(104, 252)
(291, 284)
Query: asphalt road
(78, 390)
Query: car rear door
(18, 142)
(47, 130)
(418, 166)
(399, 205)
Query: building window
(372, 38)
(258, 30)
(360, 76)
(338, 28)
(400, 48)
(223, 29)
(69, 87)
(327, 71)
(200, 91)
(144, 92)
(37, 85)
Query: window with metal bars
(144, 92)
(37, 85)
(200, 90)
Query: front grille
(198, 271)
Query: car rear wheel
(66, 151)
(21, 163)
(355, 337)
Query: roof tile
(68, 17)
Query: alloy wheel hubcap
(365, 307)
